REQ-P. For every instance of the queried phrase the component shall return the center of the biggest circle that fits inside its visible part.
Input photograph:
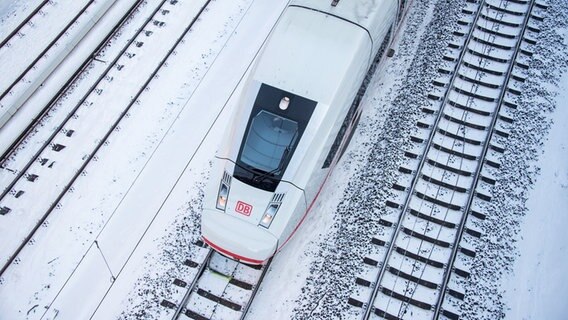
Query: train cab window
(271, 136)
(269, 141)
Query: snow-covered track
(84, 131)
(417, 265)
(6, 90)
(222, 289)
(28, 19)
(36, 122)
(35, 63)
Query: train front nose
(236, 238)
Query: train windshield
(269, 141)
(271, 137)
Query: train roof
(367, 14)
(312, 54)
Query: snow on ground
(153, 170)
(538, 286)
(531, 202)
(85, 135)
(105, 108)
(44, 28)
(51, 48)
(61, 75)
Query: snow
(45, 26)
(12, 13)
(542, 264)
(42, 29)
(116, 241)
(106, 104)
(57, 79)
(537, 288)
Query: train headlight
(222, 197)
(223, 193)
(269, 214)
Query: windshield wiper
(271, 173)
(285, 155)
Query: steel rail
(255, 289)
(182, 307)
(448, 267)
(192, 286)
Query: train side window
(337, 142)
(401, 6)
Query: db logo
(243, 208)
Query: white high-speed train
(292, 124)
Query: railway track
(221, 288)
(18, 30)
(12, 80)
(71, 147)
(7, 153)
(417, 266)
